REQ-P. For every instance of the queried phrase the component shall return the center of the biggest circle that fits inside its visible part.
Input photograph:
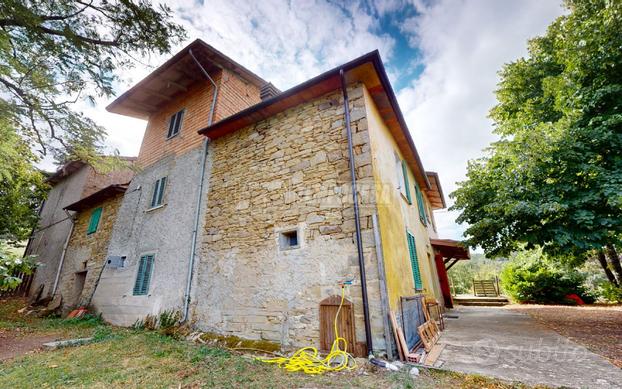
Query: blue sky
(442, 57)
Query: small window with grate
(289, 240)
(174, 124)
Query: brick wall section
(87, 252)
(234, 95)
(96, 181)
(288, 171)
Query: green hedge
(531, 278)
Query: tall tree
(56, 52)
(554, 177)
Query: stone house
(72, 182)
(87, 248)
(252, 206)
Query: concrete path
(512, 346)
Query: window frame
(403, 183)
(146, 262)
(414, 261)
(423, 214)
(175, 122)
(94, 220)
(157, 194)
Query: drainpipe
(357, 222)
(62, 255)
(197, 215)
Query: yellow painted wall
(395, 216)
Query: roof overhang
(64, 171)
(97, 197)
(435, 193)
(450, 249)
(367, 69)
(175, 77)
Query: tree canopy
(553, 179)
(56, 52)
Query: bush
(530, 277)
(611, 293)
(11, 266)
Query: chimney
(267, 91)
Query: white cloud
(464, 44)
(286, 42)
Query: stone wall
(287, 172)
(86, 253)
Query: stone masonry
(290, 171)
(86, 253)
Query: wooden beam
(176, 85)
(158, 94)
(451, 264)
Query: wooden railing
(486, 288)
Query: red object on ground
(77, 313)
(575, 298)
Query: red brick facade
(235, 94)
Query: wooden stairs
(480, 301)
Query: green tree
(22, 186)
(553, 179)
(56, 52)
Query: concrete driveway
(509, 345)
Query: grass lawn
(135, 358)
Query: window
(402, 176)
(421, 205)
(143, 277)
(289, 240)
(174, 124)
(158, 192)
(94, 222)
(414, 261)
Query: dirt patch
(598, 328)
(13, 344)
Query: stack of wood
(426, 351)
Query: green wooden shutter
(94, 222)
(162, 186)
(420, 205)
(406, 183)
(158, 192)
(414, 261)
(143, 276)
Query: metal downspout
(62, 255)
(357, 222)
(197, 215)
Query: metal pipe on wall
(357, 222)
(62, 255)
(197, 215)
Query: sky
(442, 58)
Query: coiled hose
(309, 360)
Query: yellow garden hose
(308, 359)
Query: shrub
(11, 266)
(611, 293)
(166, 322)
(530, 277)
